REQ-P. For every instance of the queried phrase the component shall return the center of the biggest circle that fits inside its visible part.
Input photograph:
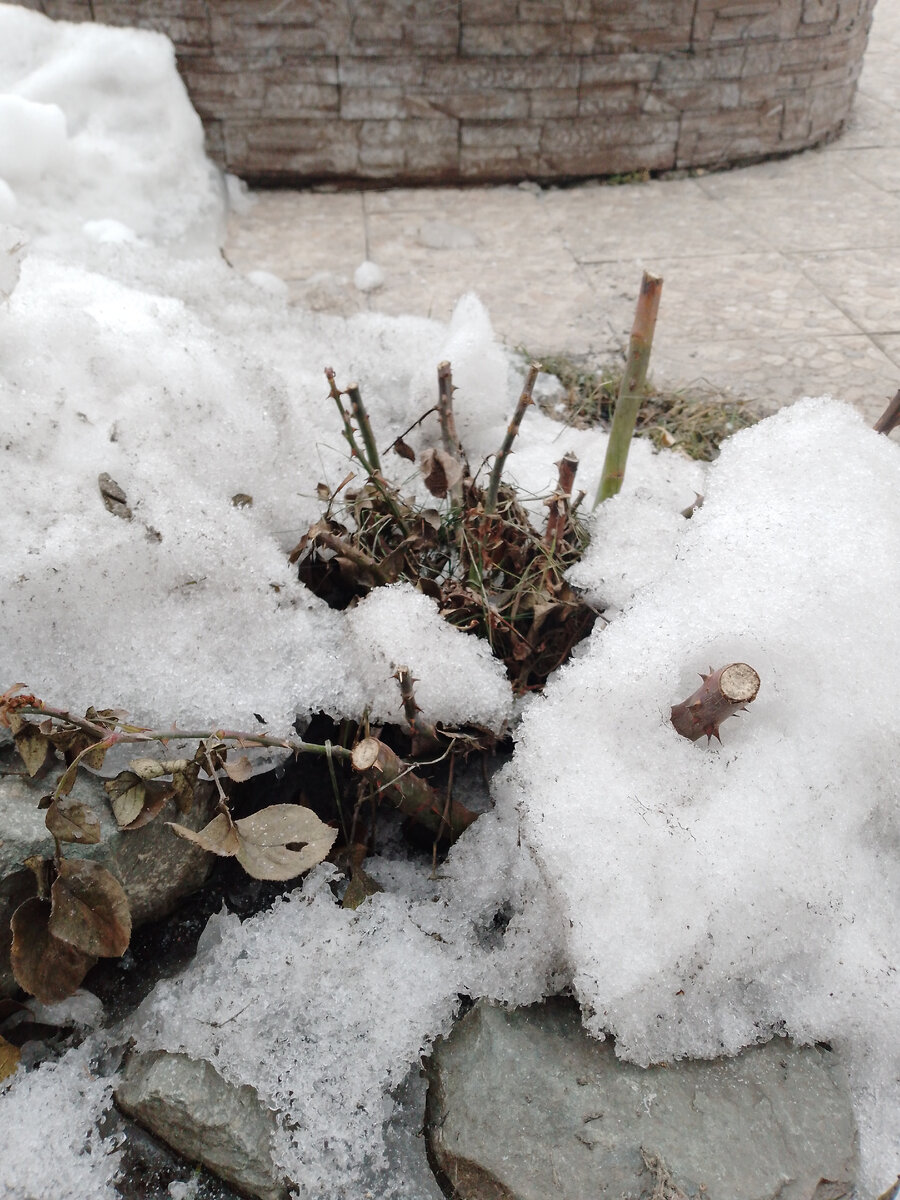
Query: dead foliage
(693, 420)
(477, 554)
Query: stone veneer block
(500, 90)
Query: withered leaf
(67, 779)
(400, 447)
(184, 784)
(136, 801)
(360, 887)
(90, 909)
(323, 491)
(218, 837)
(49, 969)
(239, 771)
(9, 1058)
(242, 500)
(34, 747)
(269, 841)
(114, 499)
(127, 795)
(440, 472)
(70, 821)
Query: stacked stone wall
(425, 91)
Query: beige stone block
(395, 71)
(488, 135)
(599, 99)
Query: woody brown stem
(890, 418)
(412, 795)
(424, 734)
(722, 693)
(490, 504)
(558, 505)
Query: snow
(368, 276)
(695, 898)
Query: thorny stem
(490, 504)
(629, 398)
(557, 517)
(423, 731)
(357, 556)
(890, 418)
(358, 409)
(132, 734)
(335, 394)
(452, 444)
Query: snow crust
(695, 898)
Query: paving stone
(524, 1105)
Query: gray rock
(524, 1105)
(187, 1103)
(156, 868)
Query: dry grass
(694, 420)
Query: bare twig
(424, 735)
(490, 504)
(890, 418)
(722, 693)
(412, 795)
(629, 399)
(335, 394)
(558, 504)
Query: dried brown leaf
(269, 841)
(400, 447)
(9, 1059)
(218, 837)
(360, 887)
(34, 747)
(440, 472)
(43, 965)
(127, 796)
(67, 779)
(90, 909)
(70, 821)
(239, 771)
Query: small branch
(630, 389)
(425, 736)
(358, 557)
(490, 504)
(412, 795)
(722, 693)
(132, 734)
(890, 418)
(558, 504)
(358, 410)
(446, 389)
(335, 394)
(452, 444)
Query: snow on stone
(717, 893)
(49, 1142)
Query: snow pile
(713, 895)
(133, 351)
(49, 1142)
(95, 125)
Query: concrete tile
(535, 292)
(871, 123)
(813, 202)
(298, 234)
(889, 343)
(664, 218)
(776, 371)
(742, 296)
(865, 284)
(875, 166)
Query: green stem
(630, 389)
(358, 410)
(490, 504)
(335, 394)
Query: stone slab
(524, 1105)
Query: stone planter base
(477, 91)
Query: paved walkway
(781, 279)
